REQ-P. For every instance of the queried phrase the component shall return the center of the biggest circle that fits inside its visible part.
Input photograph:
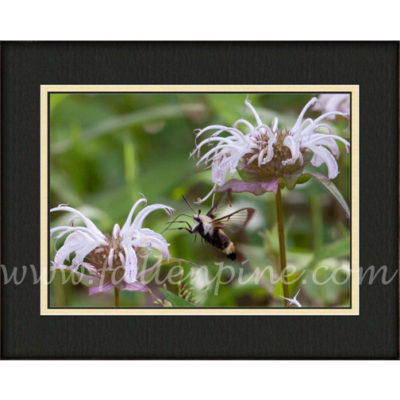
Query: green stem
(282, 249)
(116, 297)
(316, 219)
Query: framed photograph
(156, 204)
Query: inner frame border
(45, 91)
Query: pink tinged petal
(253, 110)
(211, 192)
(110, 258)
(68, 229)
(128, 221)
(318, 136)
(311, 130)
(324, 155)
(215, 150)
(86, 220)
(223, 149)
(82, 252)
(244, 122)
(257, 188)
(100, 289)
(77, 243)
(218, 172)
(326, 141)
(299, 121)
(134, 287)
(138, 222)
(116, 231)
(89, 267)
(261, 156)
(307, 122)
(333, 102)
(252, 158)
(316, 122)
(274, 124)
(213, 140)
(294, 148)
(220, 129)
(130, 264)
(270, 148)
(153, 240)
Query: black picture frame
(374, 66)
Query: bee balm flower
(264, 154)
(333, 102)
(110, 261)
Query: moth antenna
(180, 229)
(187, 202)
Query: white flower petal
(152, 240)
(68, 229)
(299, 121)
(130, 266)
(142, 215)
(78, 243)
(116, 231)
(253, 110)
(110, 258)
(274, 126)
(294, 147)
(333, 102)
(128, 221)
(78, 214)
(324, 155)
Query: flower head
(266, 153)
(110, 260)
(333, 102)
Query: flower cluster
(265, 153)
(109, 261)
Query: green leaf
(175, 300)
(340, 248)
(134, 118)
(293, 284)
(333, 190)
(303, 179)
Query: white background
(199, 380)
(199, 20)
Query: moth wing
(213, 209)
(235, 221)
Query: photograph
(200, 200)
(175, 201)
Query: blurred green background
(106, 149)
